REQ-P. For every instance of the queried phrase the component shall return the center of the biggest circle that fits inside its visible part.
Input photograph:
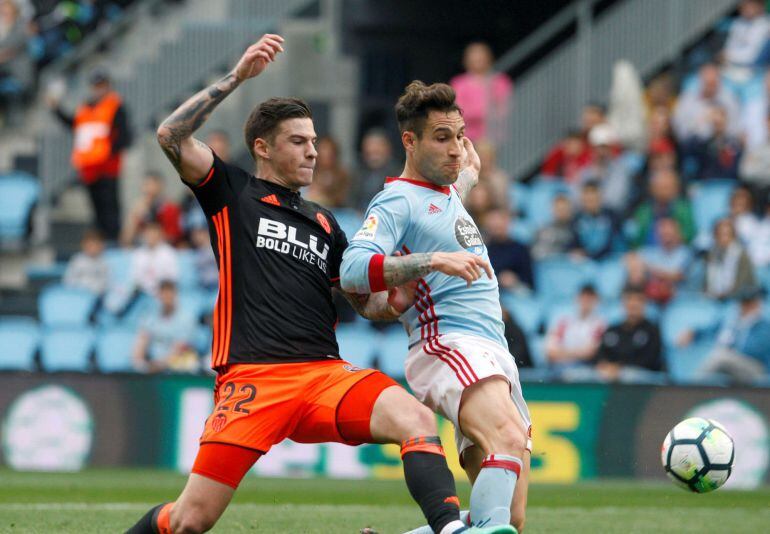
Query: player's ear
(408, 138)
(261, 148)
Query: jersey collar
(440, 188)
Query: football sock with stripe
(156, 521)
(430, 482)
(493, 489)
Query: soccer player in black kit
(279, 373)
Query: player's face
(438, 153)
(293, 153)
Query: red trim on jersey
(223, 311)
(440, 188)
(208, 177)
(377, 273)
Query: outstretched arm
(469, 175)
(191, 158)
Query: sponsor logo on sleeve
(369, 229)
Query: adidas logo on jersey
(271, 199)
(433, 209)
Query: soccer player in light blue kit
(458, 362)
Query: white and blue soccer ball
(698, 455)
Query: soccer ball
(698, 455)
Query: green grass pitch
(102, 501)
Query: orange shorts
(259, 405)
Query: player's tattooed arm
(471, 166)
(398, 270)
(374, 306)
(191, 158)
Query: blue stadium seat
(561, 278)
(188, 273)
(19, 340)
(518, 197)
(67, 348)
(349, 220)
(203, 339)
(114, 350)
(710, 202)
(540, 200)
(193, 301)
(610, 278)
(558, 310)
(684, 362)
(357, 344)
(522, 230)
(18, 194)
(392, 352)
(59, 305)
(527, 310)
(119, 263)
(689, 313)
(537, 351)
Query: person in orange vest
(101, 132)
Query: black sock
(148, 524)
(429, 480)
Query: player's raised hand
(467, 266)
(470, 157)
(257, 56)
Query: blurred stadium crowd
(639, 251)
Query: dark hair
(167, 283)
(592, 185)
(264, 119)
(588, 289)
(419, 100)
(633, 289)
(92, 234)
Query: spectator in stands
(101, 130)
(608, 169)
(205, 261)
(510, 259)
(630, 350)
(483, 94)
(481, 201)
(660, 93)
(16, 69)
(754, 116)
(573, 340)
(557, 237)
(661, 267)
(153, 206)
(165, 338)
(592, 115)
(691, 117)
(491, 173)
(377, 163)
(87, 269)
(596, 226)
(716, 155)
(219, 142)
(331, 181)
(755, 164)
(742, 214)
(154, 261)
(660, 135)
(759, 243)
(568, 158)
(747, 41)
(664, 202)
(728, 267)
(742, 350)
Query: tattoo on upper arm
(398, 270)
(190, 116)
(466, 181)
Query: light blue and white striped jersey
(412, 216)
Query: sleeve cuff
(377, 273)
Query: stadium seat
(119, 263)
(610, 277)
(518, 197)
(59, 305)
(560, 279)
(349, 220)
(526, 310)
(357, 344)
(537, 351)
(67, 348)
(18, 194)
(19, 340)
(114, 349)
(193, 301)
(188, 272)
(203, 339)
(710, 202)
(689, 313)
(392, 351)
(558, 310)
(540, 199)
(521, 230)
(684, 362)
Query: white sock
(452, 527)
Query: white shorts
(439, 370)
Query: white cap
(602, 134)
